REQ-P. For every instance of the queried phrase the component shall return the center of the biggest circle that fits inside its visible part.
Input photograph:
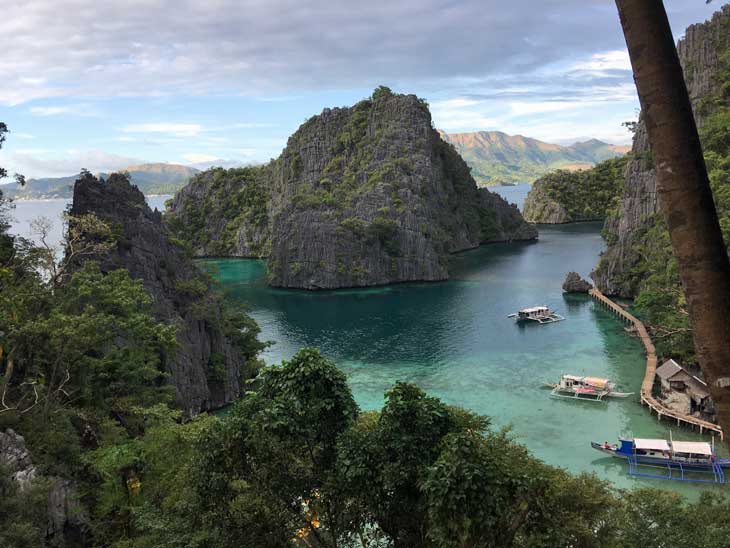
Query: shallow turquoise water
(453, 339)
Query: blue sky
(103, 85)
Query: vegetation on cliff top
(364, 195)
(230, 195)
(566, 196)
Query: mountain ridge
(150, 178)
(497, 157)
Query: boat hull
(612, 450)
(571, 394)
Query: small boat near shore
(537, 314)
(682, 460)
(576, 387)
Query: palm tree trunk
(683, 189)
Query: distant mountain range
(497, 158)
(494, 157)
(149, 178)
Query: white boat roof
(535, 309)
(652, 444)
(694, 447)
(589, 380)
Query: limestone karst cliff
(206, 369)
(360, 196)
(570, 196)
(702, 53)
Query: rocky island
(570, 196)
(207, 368)
(360, 196)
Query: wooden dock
(651, 364)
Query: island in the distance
(571, 196)
(361, 196)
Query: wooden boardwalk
(651, 364)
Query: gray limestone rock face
(361, 196)
(638, 206)
(15, 458)
(541, 208)
(67, 518)
(146, 251)
(67, 521)
(575, 284)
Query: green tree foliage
(93, 342)
(585, 194)
(22, 512)
(234, 196)
(296, 464)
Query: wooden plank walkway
(651, 364)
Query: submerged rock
(360, 196)
(205, 370)
(575, 284)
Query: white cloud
(457, 103)
(178, 130)
(279, 48)
(34, 163)
(526, 108)
(609, 60)
(195, 158)
(49, 111)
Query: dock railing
(651, 364)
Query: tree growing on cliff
(683, 189)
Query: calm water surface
(454, 340)
(513, 194)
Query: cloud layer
(154, 47)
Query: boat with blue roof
(681, 460)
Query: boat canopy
(596, 381)
(593, 381)
(651, 444)
(535, 309)
(694, 447)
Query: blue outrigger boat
(682, 460)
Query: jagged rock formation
(542, 208)
(572, 196)
(575, 284)
(67, 519)
(698, 53)
(360, 196)
(206, 369)
(15, 458)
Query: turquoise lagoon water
(454, 340)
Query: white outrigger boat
(575, 387)
(682, 460)
(538, 314)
